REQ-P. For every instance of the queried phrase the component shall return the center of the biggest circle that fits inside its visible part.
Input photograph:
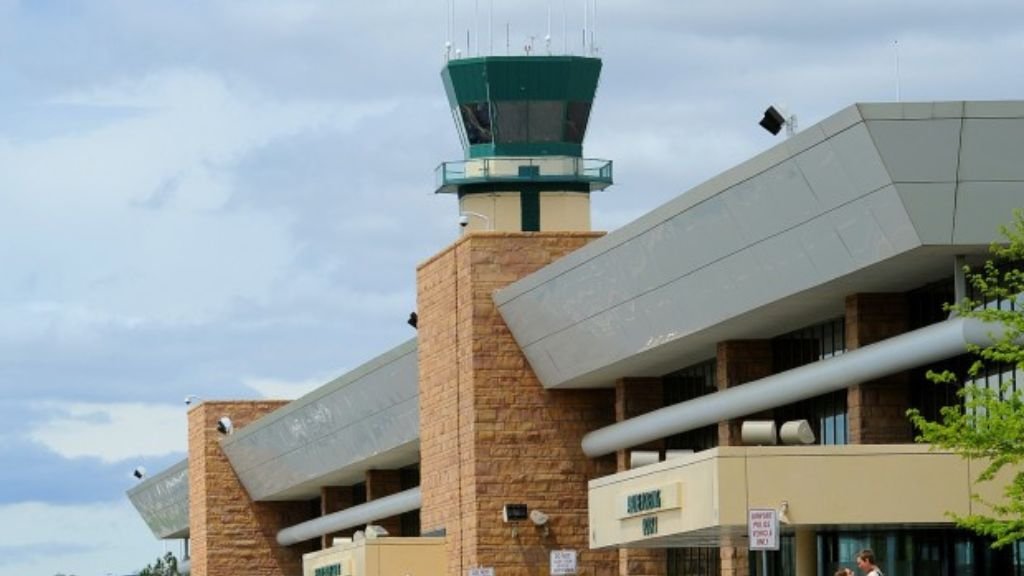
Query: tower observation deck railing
(596, 173)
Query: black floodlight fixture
(775, 117)
(139, 472)
(224, 425)
(413, 319)
(773, 120)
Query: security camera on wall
(224, 425)
(538, 518)
(463, 221)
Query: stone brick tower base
(490, 434)
(231, 534)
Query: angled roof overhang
(366, 419)
(877, 198)
(162, 501)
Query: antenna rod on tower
(476, 25)
(896, 50)
(586, 17)
(490, 30)
(593, 28)
(547, 39)
(565, 31)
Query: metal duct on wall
(909, 350)
(385, 507)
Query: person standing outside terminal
(866, 562)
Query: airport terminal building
(611, 404)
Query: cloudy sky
(229, 198)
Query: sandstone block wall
(877, 410)
(230, 533)
(490, 433)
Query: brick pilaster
(876, 410)
(228, 530)
(633, 397)
(381, 483)
(738, 362)
(490, 434)
(334, 499)
(735, 561)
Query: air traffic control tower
(522, 120)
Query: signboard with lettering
(329, 570)
(763, 528)
(563, 562)
(655, 499)
(482, 571)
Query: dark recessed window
(476, 118)
(512, 119)
(576, 121)
(546, 120)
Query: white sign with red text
(563, 562)
(763, 528)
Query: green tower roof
(522, 105)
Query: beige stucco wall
(381, 557)
(559, 211)
(822, 485)
(565, 211)
(501, 209)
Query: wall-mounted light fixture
(775, 118)
(373, 531)
(797, 432)
(638, 458)
(758, 433)
(677, 453)
(784, 512)
(413, 320)
(513, 514)
(139, 472)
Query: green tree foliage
(165, 566)
(989, 425)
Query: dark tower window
(476, 117)
(576, 117)
(512, 119)
(546, 120)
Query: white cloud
(287, 389)
(102, 538)
(131, 219)
(111, 432)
